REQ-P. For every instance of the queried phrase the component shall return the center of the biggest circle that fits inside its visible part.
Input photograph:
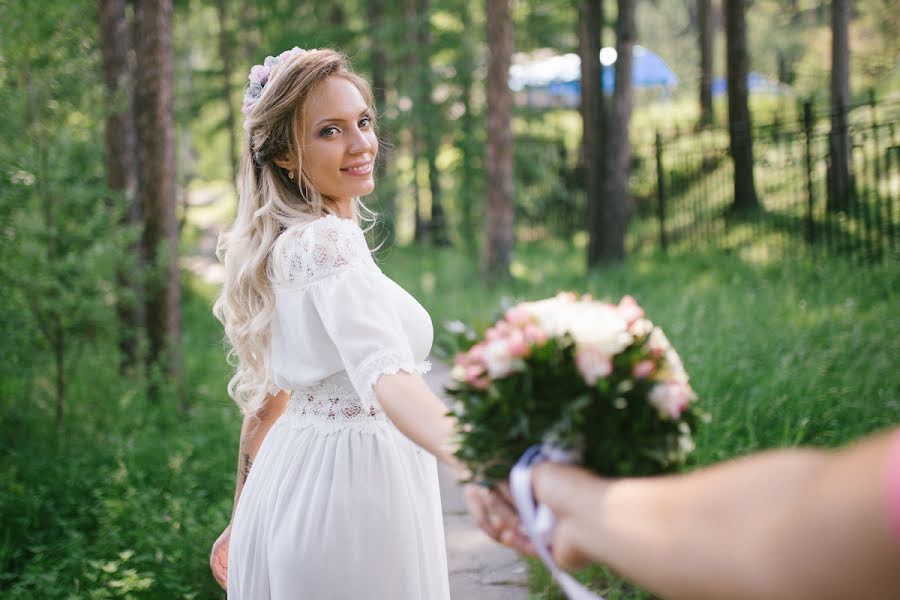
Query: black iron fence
(683, 187)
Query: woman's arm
(781, 524)
(421, 416)
(253, 432)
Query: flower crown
(259, 75)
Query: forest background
(121, 137)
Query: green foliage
(795, 352)
(125, 500)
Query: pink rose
(535, 334)
(259, 74)
(592, 363)
(670, 399)
(517, 316)
(473, 372)
(629, 310)
(476, 353)
(497, 332)
(517, 344)
(643, 369)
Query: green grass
(780, 354)
(126, 499)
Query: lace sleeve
(312, 251)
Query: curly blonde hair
(268, 203)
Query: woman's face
(339, 143)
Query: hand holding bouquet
(588, 381)
(596, 379)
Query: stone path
(480, 569)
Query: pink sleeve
(893, 484)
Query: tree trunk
(379, 87)
(467, 134)
(413, 89)
(438, 223)
(617, 157)
(593, 118)
(226, 45)
(121, 166)
(499, 150)
(156, 178)
(705, 39)
(740, 129)
(839, 139)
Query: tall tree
(705, 39)
(466, 137)
(740, 128)
(226, 54)
(378, 47)
(593, 118)
(414, 90)
(839, 140)
(430, 116)
(615, 204)
(498, 152)
(121, 166)
(156, 185)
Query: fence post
(808, 127)
(660, 193)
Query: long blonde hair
(268, 203)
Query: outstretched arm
(421, 416)
(781, 524)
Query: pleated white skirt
(338, 510)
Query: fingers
(218, 558)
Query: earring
(290, 174)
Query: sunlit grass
(781, 352)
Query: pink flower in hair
(259, 74)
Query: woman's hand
(493, 510)
(218, 558)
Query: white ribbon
(538, 520)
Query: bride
(337, 492)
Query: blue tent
(757, 83)
(560, 76)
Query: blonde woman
(337, 493)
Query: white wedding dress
(339, 505)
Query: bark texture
(499, 149)
(617, 156)
(839, 139)
(740, 127)
(156, 179)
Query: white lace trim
(319, 249)
(384, 363)
(333, 403)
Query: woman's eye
(365, 122)
(329, 131)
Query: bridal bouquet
(596, 380)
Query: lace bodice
(340, 322)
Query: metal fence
(683, 188)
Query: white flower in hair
(259, 76)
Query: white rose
(600, 326)
(497, 358)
